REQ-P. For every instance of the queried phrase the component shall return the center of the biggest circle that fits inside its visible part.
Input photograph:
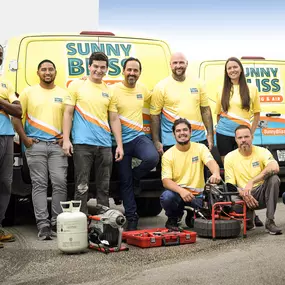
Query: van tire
(224, 228)
(148, 207)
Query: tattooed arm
(271, 169)
(208, 122)
(155, 132)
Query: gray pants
(46, 159)
(84, 157)
(267, 195)
(6, 173)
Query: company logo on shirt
(4, 85)
(193, 90)
(58, 100)
(195, 159)
(105, 95)
(255, 164)
(139, 96)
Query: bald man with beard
(179, 96)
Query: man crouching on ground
(253, 170)
(183, 173)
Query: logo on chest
(139, 96)
(195, 159)
(58, 100)
(4, 85)
(255, 164)
(194, 90)
(105, 95)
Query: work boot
(6, 237)
(172, 224)
(272, 228)
(44, 233)
(258, 222)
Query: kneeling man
(254, 171)
(182, 173)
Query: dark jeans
(6, 173)
(142, 148)
(83, 158)
(173, 204)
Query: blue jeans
(142, 148)
(173, 204)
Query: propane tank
(72, 236)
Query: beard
(184, 142)
(179, 72)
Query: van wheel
(224, 228)
(148, 207)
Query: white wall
(28, 16)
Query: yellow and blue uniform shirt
(240, 169)
(186, 168)
(130, 102)
(236, 116)
(91, 103)
(6, 93)
(173, 100)
(43, 112)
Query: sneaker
(272, 228)
(44, 233)
(6, 237)
(53, 230)
(1, 245)
(258, 222)
(249, 225)
(172, 224)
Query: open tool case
(158, 237)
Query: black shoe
(53, 230)
(258, 222)
(249, 225)
(44, 233)
(172, 224)
(132, 224)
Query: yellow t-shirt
(236, 116)
(186, 168)
(90, 121)
(7, 92)
(43, 112)
(130, 102)
(174, 100)
(240, 169)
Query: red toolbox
(158, 237)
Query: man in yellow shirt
(9, 106)
(43, 107)
(130, 96)
(182, 173)
(179, 96)
(254, 171)
(86, 118)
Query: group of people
(95, 123)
